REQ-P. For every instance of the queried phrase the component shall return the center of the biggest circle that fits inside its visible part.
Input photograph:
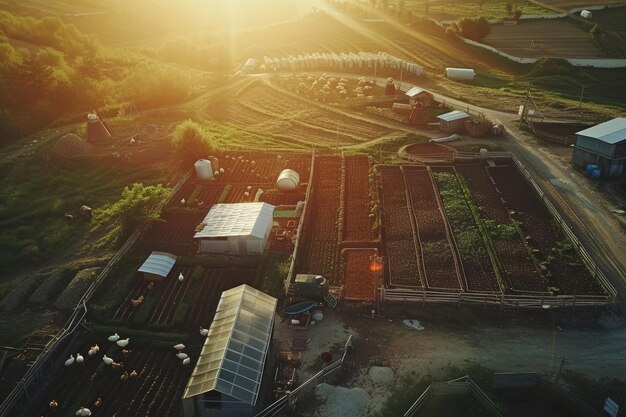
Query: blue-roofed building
(603, 145)
(158, 265)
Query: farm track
(321, 247)
(477, 266)
(441, 270)
(357, 221)
(403, 256)
(519, 270)
(537, 223)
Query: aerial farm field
(435, 254)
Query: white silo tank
(204, 170)
(287, 180)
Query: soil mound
(71, 146)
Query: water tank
(497, 129)
(586, 14)
(483, 153)
(92, 117)
(460, 73)
(203, 169)
(288, 180)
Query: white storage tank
(288, 180)
(460, 73)
(204, 170)
(586, 14)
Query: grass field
(37, 191)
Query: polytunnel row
(361, 60)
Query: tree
(191, 141)
(138, 204)
(474, 28)
(509, 8)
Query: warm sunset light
(338, 208)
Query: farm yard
(550, 38)
(153, 392)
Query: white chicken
(83, 412)
(93, 350)
(181, 277)
(182, 201)
(179, 347)
(107, 360)
(70, 361)
(114, 338)
(204, 332)
(186, 361)
(182, 355)
(124, 342)
(79, 358)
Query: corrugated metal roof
(241, 219)
(233, 356)
(612, 132)
(158, 263)
(416, 91)
(453, 115)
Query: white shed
(460, 73)
(235, 229)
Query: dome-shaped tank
(203, 168)
(288, 180)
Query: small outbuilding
(157, 266)
(603, 145)
(235, 229)
(228, 377)
(453, 122)
(416, 94)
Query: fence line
(35, 372)
(290, 399)
(462, 385)
(309, 190)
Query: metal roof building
(236, 229)
(227, 377)
(603, 145)
(419, 94)
(453, 122)
(158, 265)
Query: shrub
(145, 310)
(180, 315)
(192, 141)
(474, 28)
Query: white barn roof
(416, 91)
(242, 219)
(233, 356)
(611, 132)
(453, 115)
(158, 263)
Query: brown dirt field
(560, 39)
(359, 282)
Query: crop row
(400, 242)
(556, 253)
(357, 221)
(321, 241)
(359, 282)
(191, 302)
(174, 234)
(517, 265)
(474, 253)
(440, 270)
